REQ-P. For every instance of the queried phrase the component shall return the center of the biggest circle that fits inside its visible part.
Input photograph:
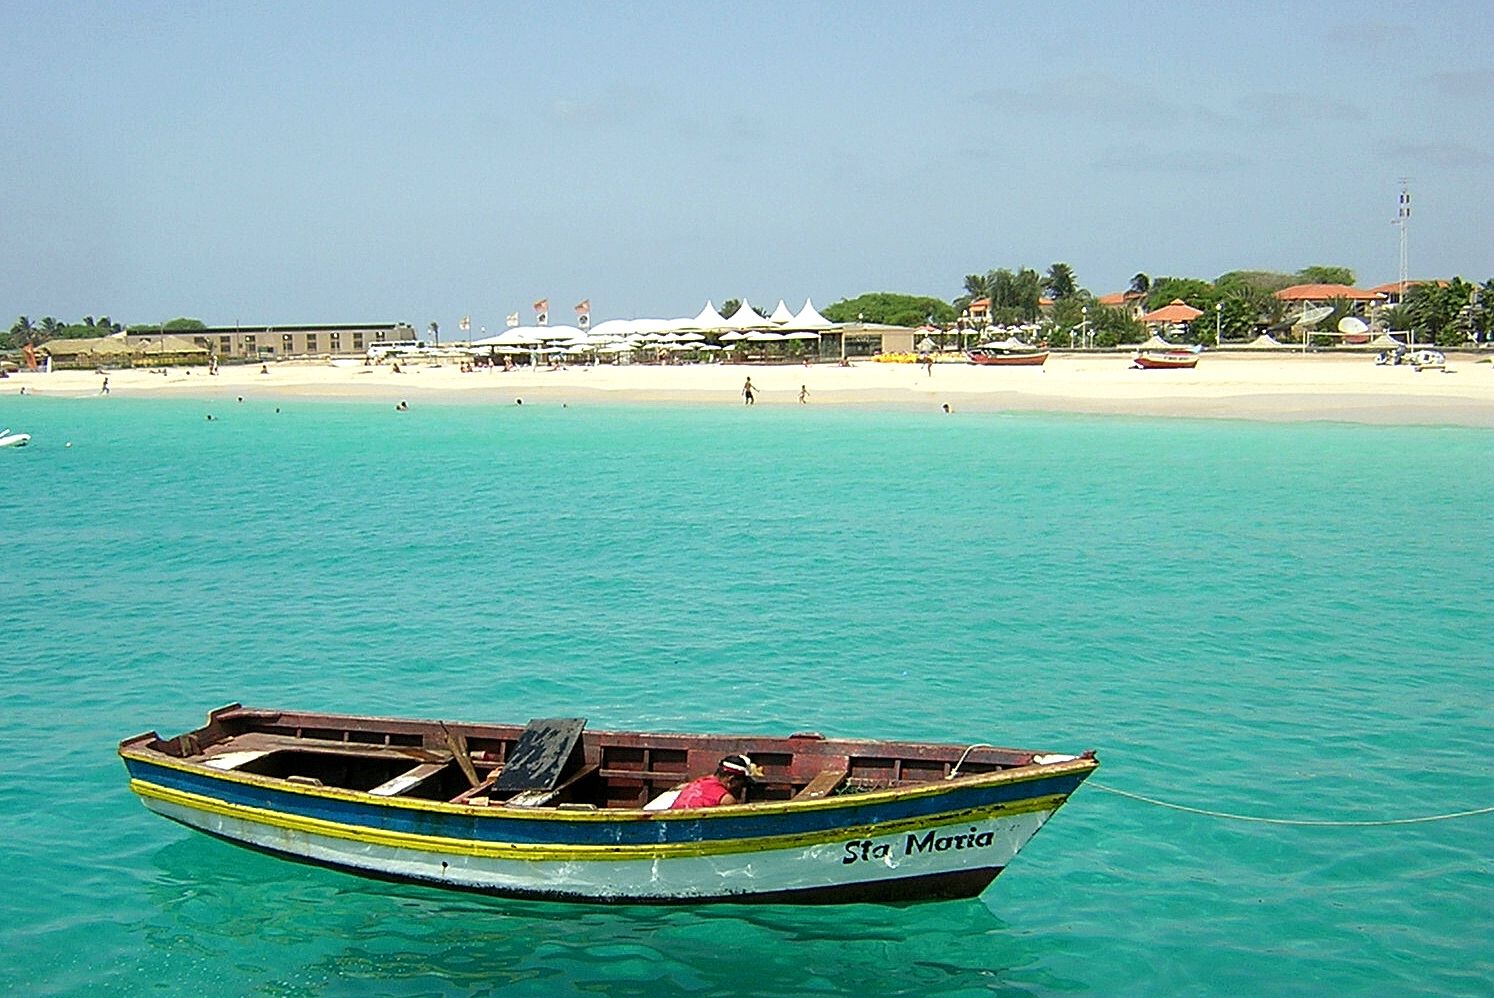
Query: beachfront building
(276, 342)
(93, 352)
(1133, 302)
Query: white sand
(1273, 387)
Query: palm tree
(21, 332)
(978, 285)
(1060, 282)
(1141, 283)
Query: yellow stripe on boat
(555, 851)
(993, 778)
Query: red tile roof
(1326, 292)
(1175, 311)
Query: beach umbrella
(732, 336)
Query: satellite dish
(1351, 325)
(1313, 316)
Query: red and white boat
(1008, 353)
(1159, 360)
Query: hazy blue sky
(318, 162)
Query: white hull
(15, 440)
(981, 843)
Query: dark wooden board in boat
(542, 755)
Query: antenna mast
(1403, 222)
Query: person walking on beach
(748, 393)
(104, 388)
(803, 394)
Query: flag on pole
(513, 319)
(583, 313)
(542, 312)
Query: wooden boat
(1009, 358)
(552, 811)
(1165, 360)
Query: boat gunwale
(139, 748)
(1018, 774)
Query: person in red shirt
(728, 785)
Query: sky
(279, 163)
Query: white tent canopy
(516, 337)
(781, 314)
(746, 318)
(708, 318)
(809, 318)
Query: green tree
(1014, 296)
(1065, 325)
(1326, 275)
(1264, 282)
(1444, 314)
(1199, 294)
(183, 325)
(1060, 282)
(21, 333)
(1483, 311)
(891, 309)
(1114, 326)
(1140, 284)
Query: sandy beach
(1223, 386)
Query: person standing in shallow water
(748, 393)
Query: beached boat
(1164, 360)
(553, 811)
(1429, 360)
(1009, 358)
(1010, 352)
(9, 439)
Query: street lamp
(1218, 320)
(1084, 328)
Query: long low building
(272, 342)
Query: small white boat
(1429, 360)
(9, 439)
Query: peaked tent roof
(809, 318)
(513, 337)
(781, 314)
(1265, 341)
(1176, 310)
(708, 318)
(745, 318)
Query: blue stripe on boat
(621, 831)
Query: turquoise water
(1280, 620)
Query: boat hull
(949, 856)
(944, 835)
(1009, 359)
(1169, 362)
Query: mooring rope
(1288, 821)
